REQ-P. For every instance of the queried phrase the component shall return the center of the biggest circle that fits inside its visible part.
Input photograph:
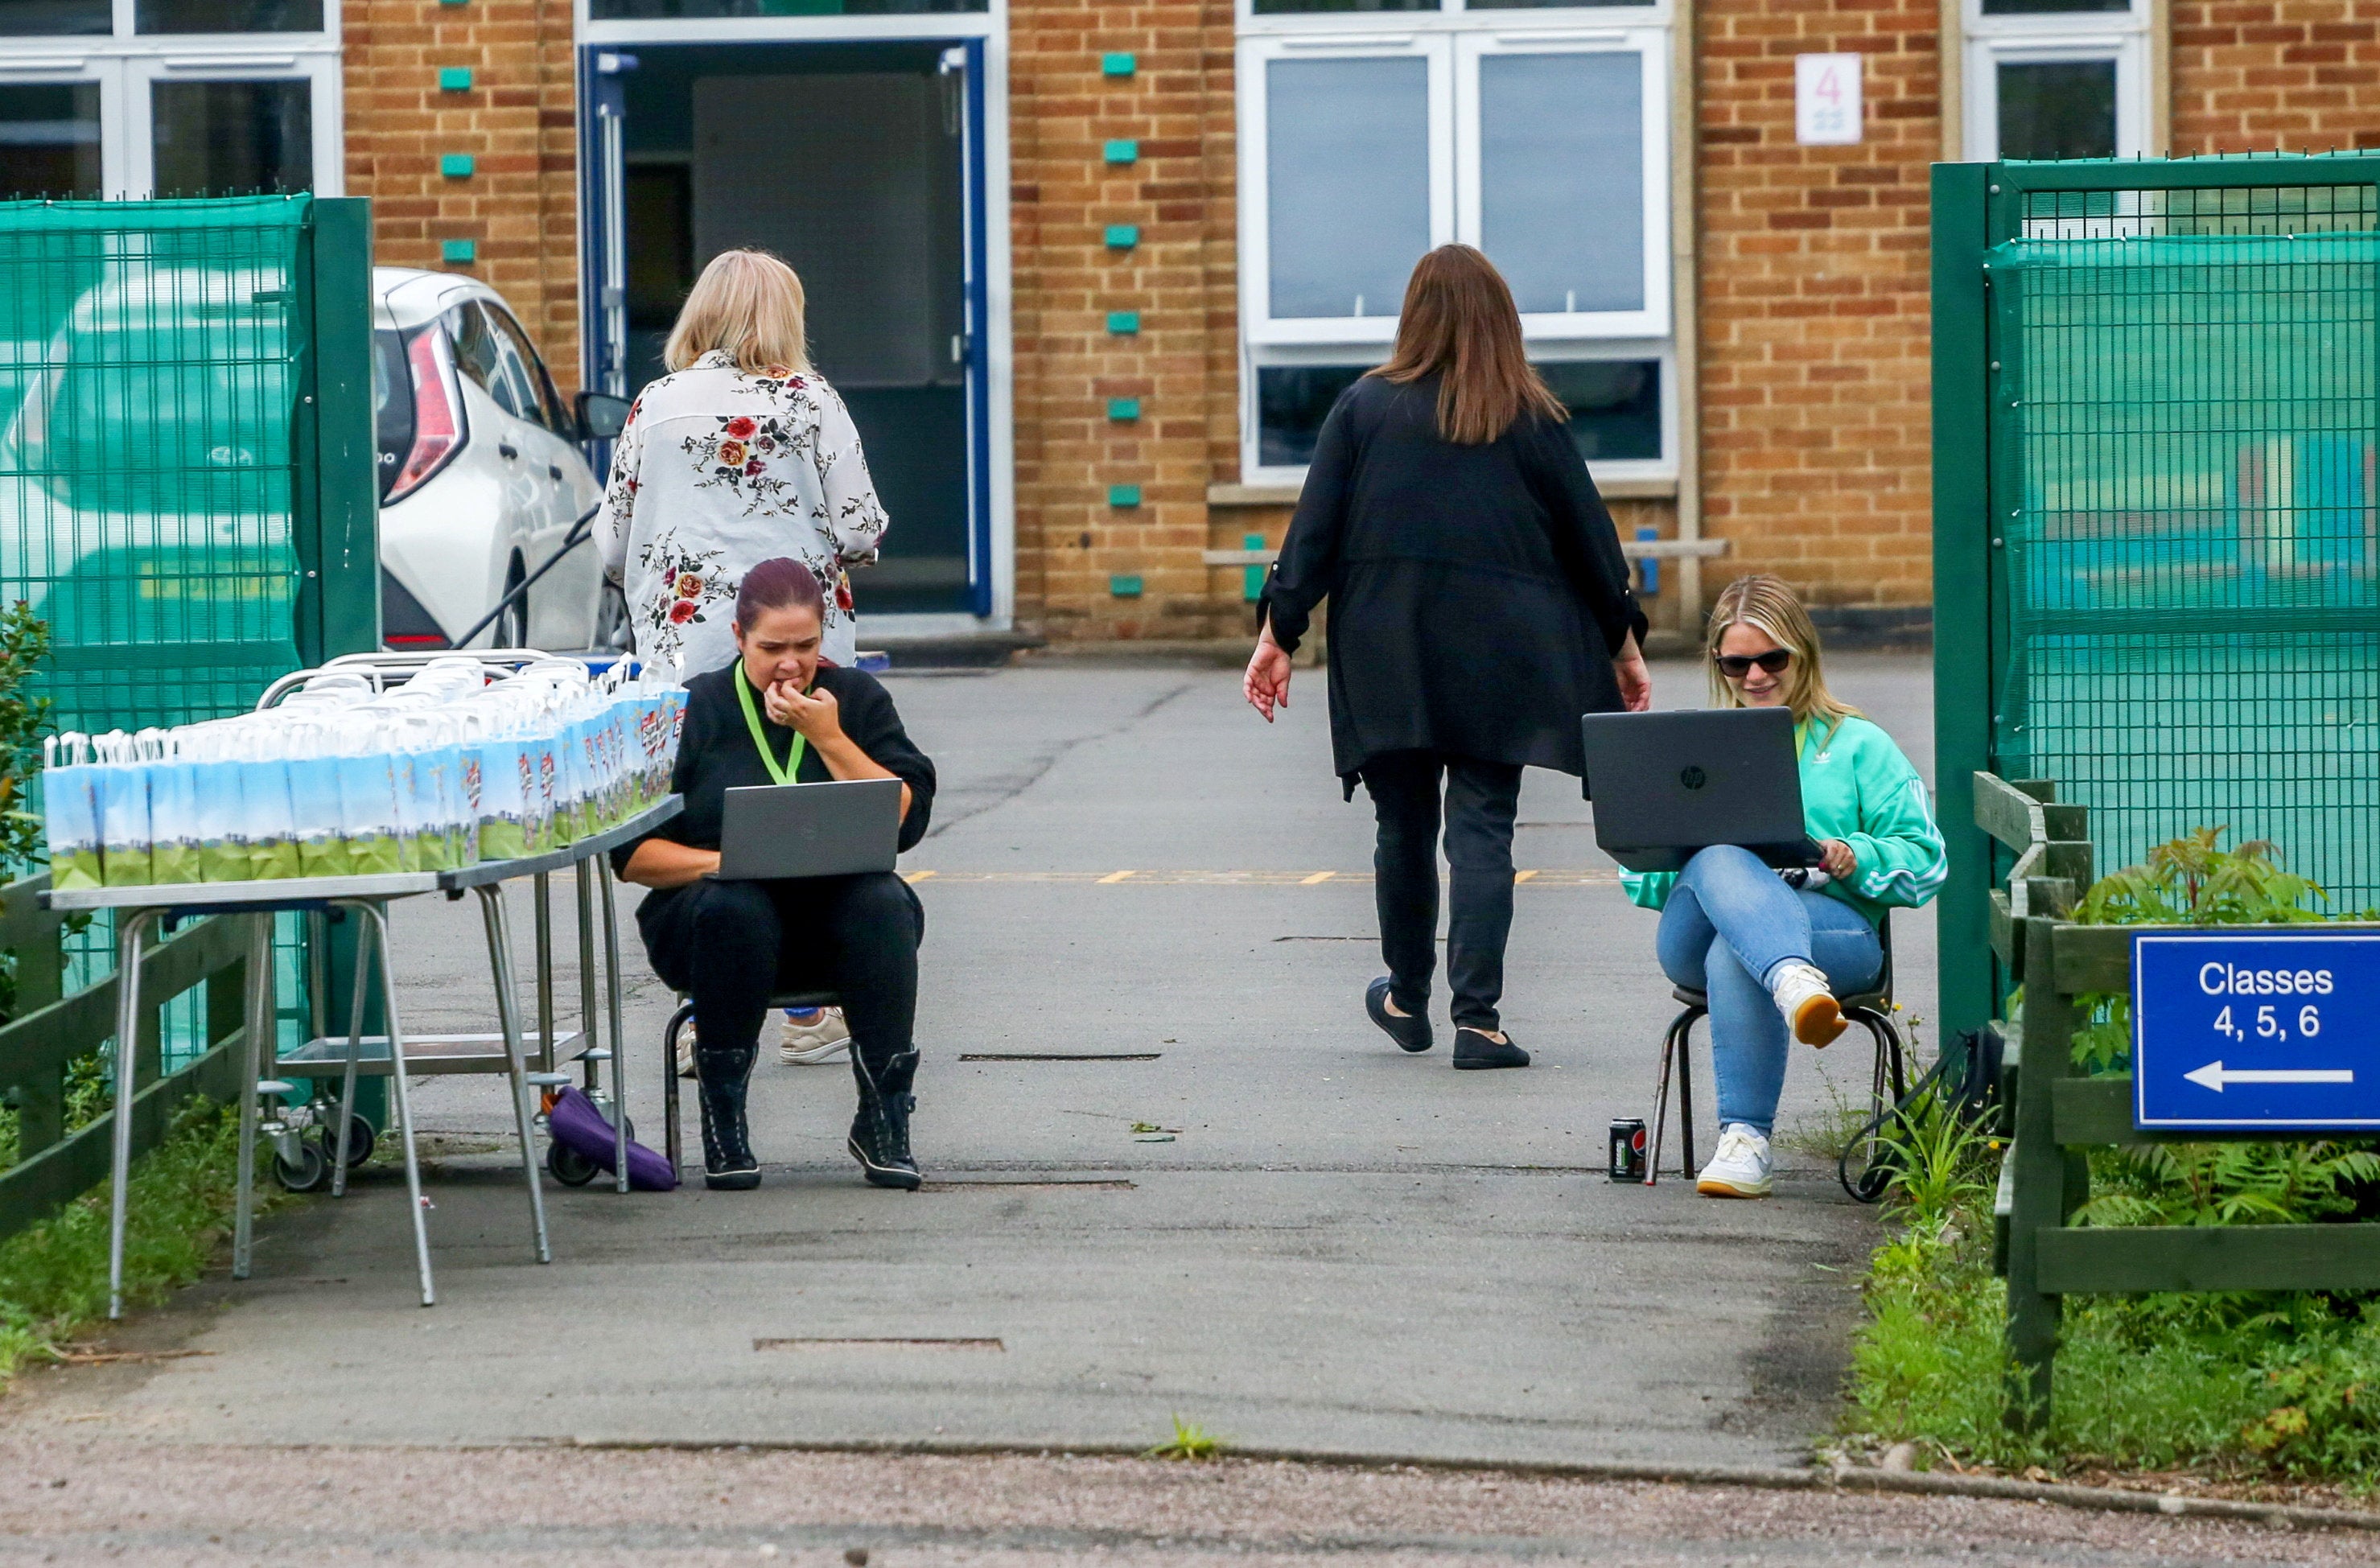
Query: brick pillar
(1815, 302)
(1115, 207)
(517, 207)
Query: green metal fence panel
(186, 466)
(2162, 379)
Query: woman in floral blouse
(740, 454)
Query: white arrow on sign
(2214, 1075)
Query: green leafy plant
(2231, 1183)
(2192, 881)
(54, 1276)
(1190, 1440)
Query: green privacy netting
(2183, 472)
(149, 358)
(149, 354)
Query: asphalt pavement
(1323, 1246)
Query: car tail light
(438, 430)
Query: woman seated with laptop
(1770, 948)
(779, 715)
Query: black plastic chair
(799, 1000)
(1871, 1008)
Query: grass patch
(1190, 1440)
(54, 1276)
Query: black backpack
(1966, 1080)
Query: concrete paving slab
(1342, 1248)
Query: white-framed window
(2056, 79)
(1539, 133)
(166, 97)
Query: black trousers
(1481, 799)
(733, 945)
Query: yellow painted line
(1544, 878)
(914, 878)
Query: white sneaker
(1740, 1169)
(1808, 1004)
(685, 1050)
(824, 1037)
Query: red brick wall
(519, 207)
(2267, 75)
(1815, 302)
(1177, 106)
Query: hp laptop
(1665, 784)
(774, 831)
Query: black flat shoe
(1474, 1051)
(1411, 1032)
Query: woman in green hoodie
(1772, 948)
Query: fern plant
(2232, 1183)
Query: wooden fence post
(2040, 1186)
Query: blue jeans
(1728, 923)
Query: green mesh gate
(185, 457)
(2157, 530)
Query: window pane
(49, 139)
(1615, 405)
(1562, 178)
(1301, 7)
(228, 15)
(2043, 8)
(2060, 109)
(1615, 408)
(479, 355)
(221, 138)
(1292, 402)
(1348, 176)
(657, 10)
(30, 19)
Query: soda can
(1628, 1148)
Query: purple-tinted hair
(780, 583)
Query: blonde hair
(1764, 603)
(748, 305)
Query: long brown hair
(1459, 318)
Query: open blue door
(603, 224)
(968, 57)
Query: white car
(483, 483)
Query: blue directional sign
(2278, 1029)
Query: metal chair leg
(354, 1053)
(1686, 1099)
(673, 1140)
(1660, 1106)
(1676, 1063)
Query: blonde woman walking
(741, 454)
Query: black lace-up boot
(880, 1133)
(727, 1163)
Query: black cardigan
(715, 755)
(1478, 593)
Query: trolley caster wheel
(361, 1139)
(310, 1172)
(568, 1166)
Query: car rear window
(392, 404)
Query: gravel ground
(82, 1501)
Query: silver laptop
(772, 831)
(1667, 785)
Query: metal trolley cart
(394, 1055)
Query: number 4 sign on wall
(1826, 100)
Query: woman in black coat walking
(1479, 604)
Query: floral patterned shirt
(716, 472)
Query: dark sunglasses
(1735, 666)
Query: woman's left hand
(815, 713)
(1837, 859)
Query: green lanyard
(760, 737)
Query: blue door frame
(604, 311)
